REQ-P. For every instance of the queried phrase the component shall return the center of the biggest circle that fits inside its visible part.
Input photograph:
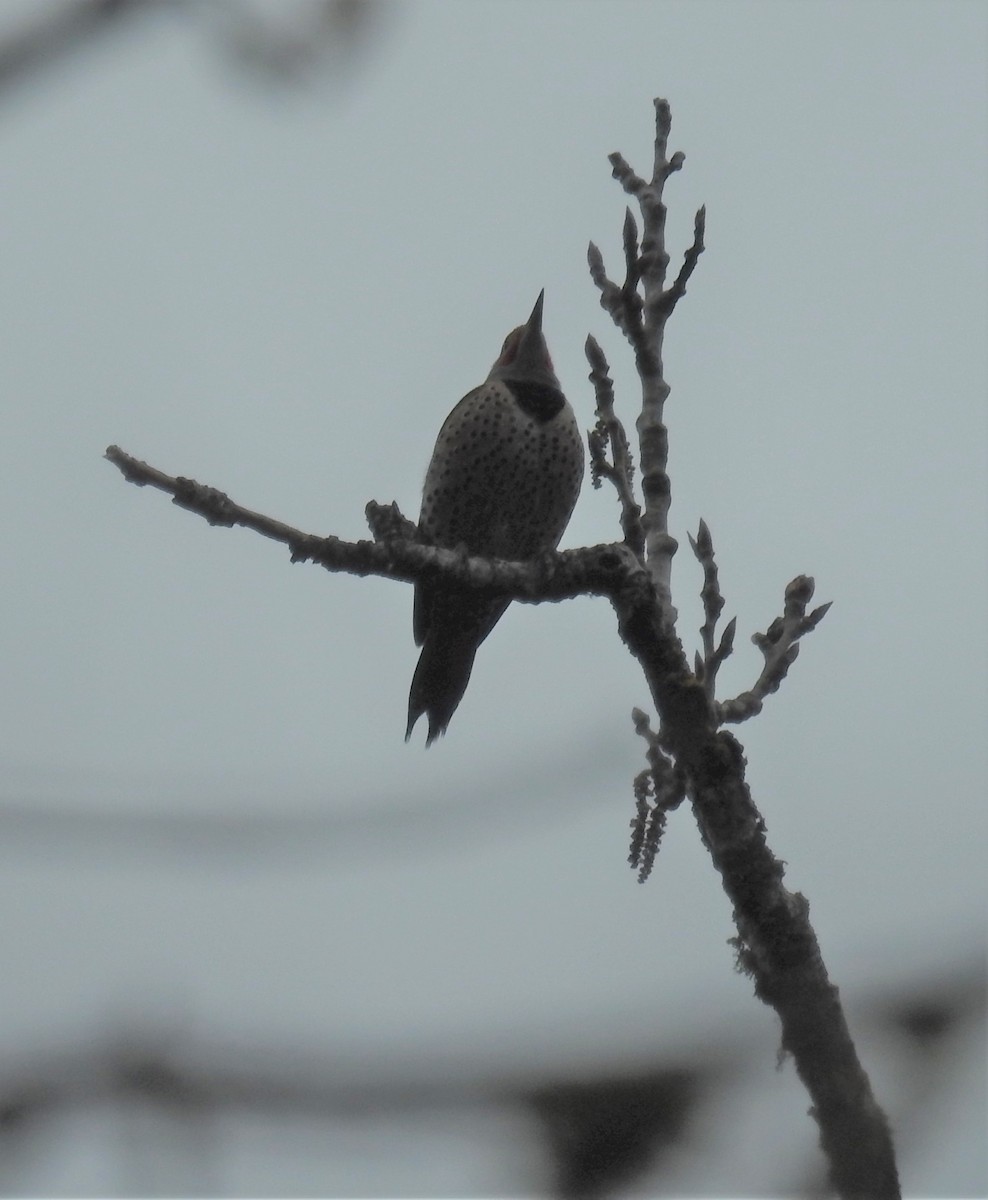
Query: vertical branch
(658, 305)
(776, 943)
(609, 432)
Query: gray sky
(282, 293)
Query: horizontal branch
(594, 570)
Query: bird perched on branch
(502, 483)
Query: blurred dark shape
(605, 1132)
(280, 42)
(55, 31)
(18, 1109)
(285, 42)
(927, 1022)
(176, 1092)
(236, 830)
(155, 1079)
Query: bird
(503, 480)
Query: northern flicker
(502, 483)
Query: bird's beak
(534, 323)
(524, 355)
(532, 345)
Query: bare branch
(596, 570)
(777, 945)
(632, 271)
(658, 790)
(662, 167)
(609, 291)
(671, 297)
(622, 304)
(713, 604)
(610, 431)
(779, 646)
(725, 647)
(387, 522)
(640, 309)
(776, 942)
(623, 173)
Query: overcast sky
(281, 291)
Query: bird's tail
(441, 678)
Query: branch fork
(691, 755)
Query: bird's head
(524, 357)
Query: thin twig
(671, 296)
(609, 431)
(621, 303)
(640, 309)
(658, 790)
(779, 646)
(713, 604)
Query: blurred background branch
(279, 42)
(600, 1129)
